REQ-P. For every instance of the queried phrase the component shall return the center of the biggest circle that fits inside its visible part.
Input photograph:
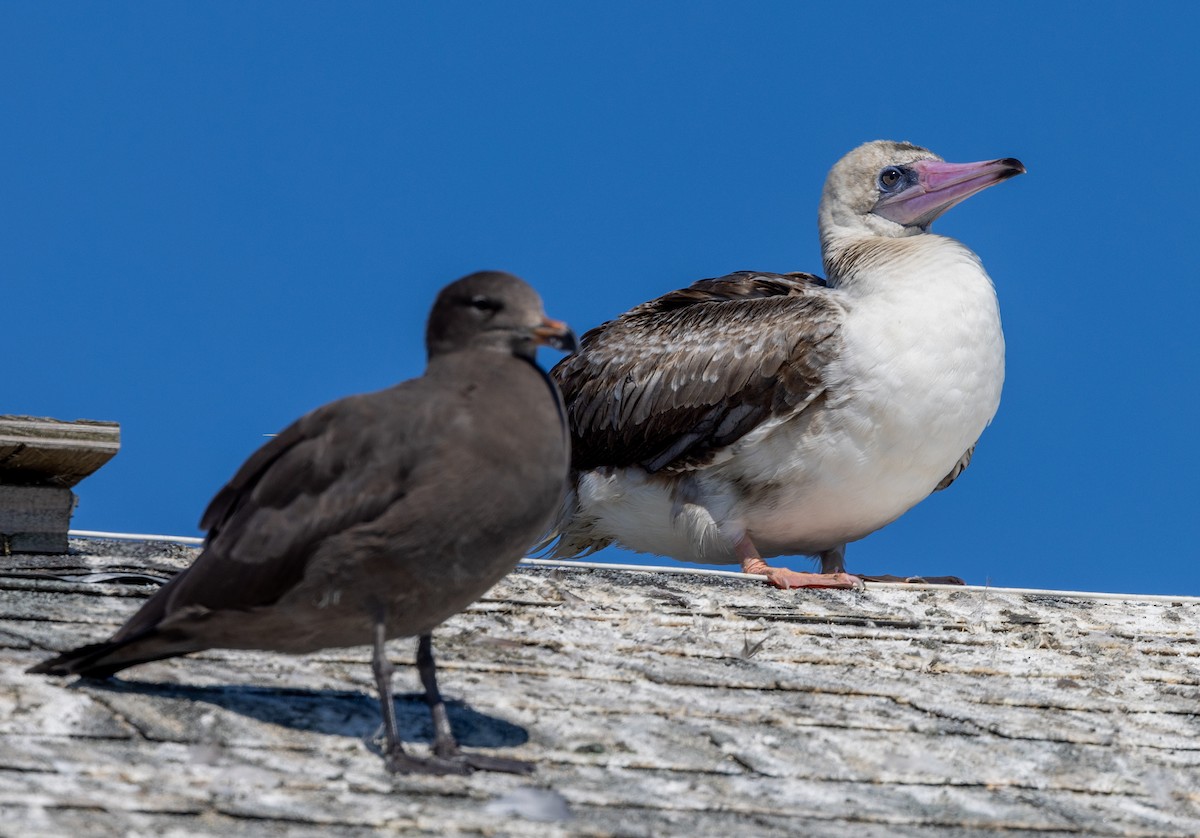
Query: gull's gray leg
(444, 743)
(445, 746)
(395, 758)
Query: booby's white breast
(918, 379)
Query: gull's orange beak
(555, 333)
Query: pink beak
(940, 186)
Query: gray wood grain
(653, 704)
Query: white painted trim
(135, 536)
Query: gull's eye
(483, 303)
(890, 178)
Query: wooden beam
(38, 451)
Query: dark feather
(958, 469)
(315, 479)
(669, 383)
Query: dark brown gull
(379, 515)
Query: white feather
(918, 380)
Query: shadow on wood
(328, 712)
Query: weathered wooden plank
(40, 459)
(653, 705)
(39, 451)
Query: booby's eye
(890, 178)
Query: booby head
(496, 311)
(891, 189)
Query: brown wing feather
(669, 383)
(958, 469)
(314, 479)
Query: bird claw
(460, 764)
(914, 580)
(781, 577)
(504, 765)
(402, 763)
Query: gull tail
(100, 660)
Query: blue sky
(217, 216)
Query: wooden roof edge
(42, 451)
(687, 570)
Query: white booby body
(760, 415)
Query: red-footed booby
(759, 415)
(380, 515)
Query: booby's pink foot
(781, 577)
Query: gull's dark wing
(345, 463)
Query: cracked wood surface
(653, 704)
